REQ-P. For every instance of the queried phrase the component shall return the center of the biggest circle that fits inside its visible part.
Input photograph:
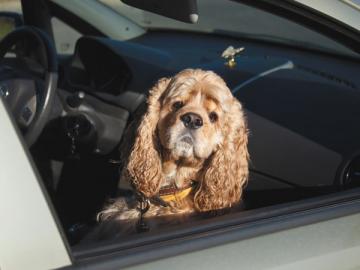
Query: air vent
(352, 174)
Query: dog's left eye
(213, 117)
(177, 105)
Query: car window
(7, 24)
(10, 5)
(346, 11)
(65, 36)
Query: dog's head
(193, 114)
(193, 117)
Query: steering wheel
(28, 92)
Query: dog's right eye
(177, 105)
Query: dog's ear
(226, 171)
(144, 163)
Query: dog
(189, 154)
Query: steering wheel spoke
(20, 95)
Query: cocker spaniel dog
(189, 153)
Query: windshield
(235, 19)
(346, 11)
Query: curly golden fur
(193, 130)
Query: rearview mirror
(182, 10)
(8, 22)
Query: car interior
(302, 107)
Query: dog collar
(177, 195)
(169, 194)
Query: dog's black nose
(192, 120)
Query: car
(73, 75)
